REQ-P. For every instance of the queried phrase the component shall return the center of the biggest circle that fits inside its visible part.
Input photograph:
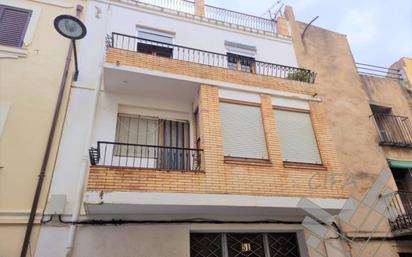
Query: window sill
(247, 161)
(299, 165)
(9, 52)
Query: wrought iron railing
(215, 13)
(393, 130)
(378, 71)
(400, 211)
(114, 154)
(183, 53)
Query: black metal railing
(378, 71)
(393, 130)
(400, 211)
(214, 13)
(183, 53)
(114, 154)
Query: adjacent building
(32, 63)
(368, 112)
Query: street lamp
(72, 28)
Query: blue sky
(379, 31)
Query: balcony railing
(123, 155)
(400, 211)
(378, 71)
(183, 53)
(215, 13)
(393, 130)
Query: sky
(379, 31)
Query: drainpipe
(84, 169)
(46, 156)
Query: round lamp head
(70, 27)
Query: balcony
(129, 44)
(214, 13)
(393, 130)
(400, 211)
(122, 155)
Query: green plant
(300, 75)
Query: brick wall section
(150, 62)
(239, 179)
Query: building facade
(32, 63)
(198, 131)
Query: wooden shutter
(297, 138)
(243, 133)
(13, 25)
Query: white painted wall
(151, 240)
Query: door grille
(244, 245)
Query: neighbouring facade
(196, 131)
(32, 62)
(369, 116)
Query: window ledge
(299, 165)
(9, 52)
(247, 161)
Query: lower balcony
(400, 212)
(393, 130)
(138, 156)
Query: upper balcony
(216, 14)
(126, 49)
(393, 130)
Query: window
(159, 44)
(13, 25)
(158, 143)
(297, 138)
(243, 133)
(239, 62)
(243, 244)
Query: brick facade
(218, 176)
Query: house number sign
(246, 247)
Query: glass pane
(283, 245)
(205, 245)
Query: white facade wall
(142, 240)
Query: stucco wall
(29, 85)
(389, 93)
(354, 135)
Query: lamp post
(72, 28)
